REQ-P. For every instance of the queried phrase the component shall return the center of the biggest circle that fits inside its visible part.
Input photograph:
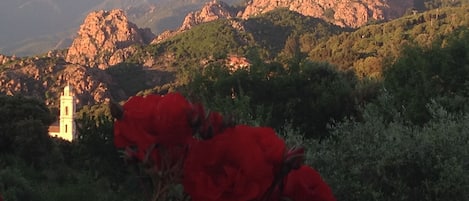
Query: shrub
(385, 158)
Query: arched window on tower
(66, 110)
(66, 128)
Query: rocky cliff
(106, 38)
(45, 77)
(345, 13)
(213, 10)
(4, 59)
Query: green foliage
(95, 112)
(24, 123)
(213, 39)
(36, 167)
(95, 153)
(411, 143)
(423, 74)
(385, 158)
(14, 187)
(128, 77)
(219, 90)
(367, 48)
(84, 189)
(433, 4)
(271, 30)
(310, 96)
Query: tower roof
(68, 90)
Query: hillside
(392, 95)
(36, 26)
(267, 35)
(365, 49)
(40, 25)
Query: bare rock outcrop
(27, 76)
(106, 38)
(45, 77)
(5, 59)
(212, 10)
(345, 13)
(90, 84)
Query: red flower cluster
(237, 163)
(154, 121)
(305, 184)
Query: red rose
(172, 121)
(305, 184)
(238, 164)
(155, 122)
(133, 128)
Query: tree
(24, 124)
(398, 161)
(291, 54)
(439, 73)
(312, 97)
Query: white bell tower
(67, 113)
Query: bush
(385, 158)
(438, 73)
(14, 187)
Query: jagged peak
(344, 13)
(211, 11)
(105, 38)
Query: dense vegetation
(34, 166)
(366, 49)
(382, 110)
(409, 141)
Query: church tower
(67, 113)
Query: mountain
(111, 58)
(345, 13)
(31, 27)
(106, 38)
(367, 48)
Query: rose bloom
(134, 126)
(305, 184)
(154, 121)
(238, 164)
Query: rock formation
(5, 59)
(345, 13)
(106, 38)
(213, 10)
(90, 84)
(44, 78)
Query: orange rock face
(345, 13)
(105, 39)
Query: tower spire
(67, 113)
